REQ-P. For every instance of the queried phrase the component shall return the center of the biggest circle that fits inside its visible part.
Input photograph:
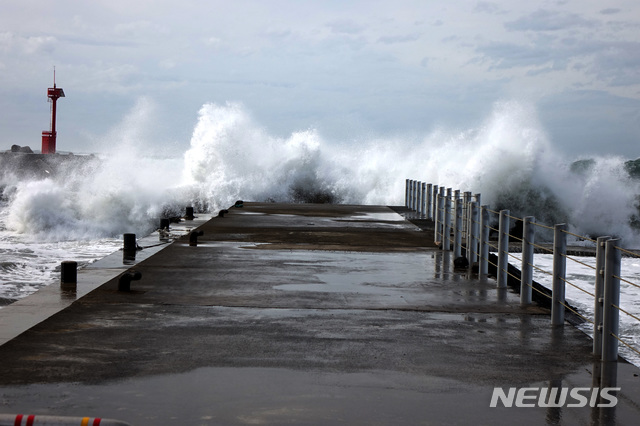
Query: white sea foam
(582, 279)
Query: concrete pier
(300, 314)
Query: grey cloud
(398, 39)
(610, 11)
(617, 63)
(547, 20)
(509, 55)
(487, 7)
(345, 26)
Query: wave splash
(508, 158)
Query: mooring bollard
(193, 237)
(165, 223)
(124, 282)
(189, 213)
(68, 273)
(129, 242)
(129, 249)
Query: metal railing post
(438, 215)
(416, 194)
(413, 195)
(457, 231)
(503, 249)
(435, 202)
(484, 241)
(429, 201)
(610, 313)
(423, 193)
(406, 192)
(465, 213)
(446, 241)
(599, 295)
(526, 278)
(473, 247)
(558, 286)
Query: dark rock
(460, 262)
(22, 149)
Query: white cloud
(389, 66)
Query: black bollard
(193, 237)
(68, 273)
(129, 242)
(164, 223)
(189, 213)
(239, 204)
(221, 213)
(124, 282)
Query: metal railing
(462, 224)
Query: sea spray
(507, 157)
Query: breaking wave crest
(508, 158)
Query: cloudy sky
(350, 69)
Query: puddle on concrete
(257, 396)
(250, 396)
(386, 216)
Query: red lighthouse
(49, 136)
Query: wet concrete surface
(302, 314)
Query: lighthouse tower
(49, 136)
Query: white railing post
(435, 202)
(484, 241)
(503, 249)
(413, 194)
(559, 274)
(610, 312)
(406, 192)
(473, 247)
(457, 231)
(446, 240)
(429, 201)
(599, 295)
(526, 278)
(438, 214)
(465, 213)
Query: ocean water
(582, 278)
(81, 213)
